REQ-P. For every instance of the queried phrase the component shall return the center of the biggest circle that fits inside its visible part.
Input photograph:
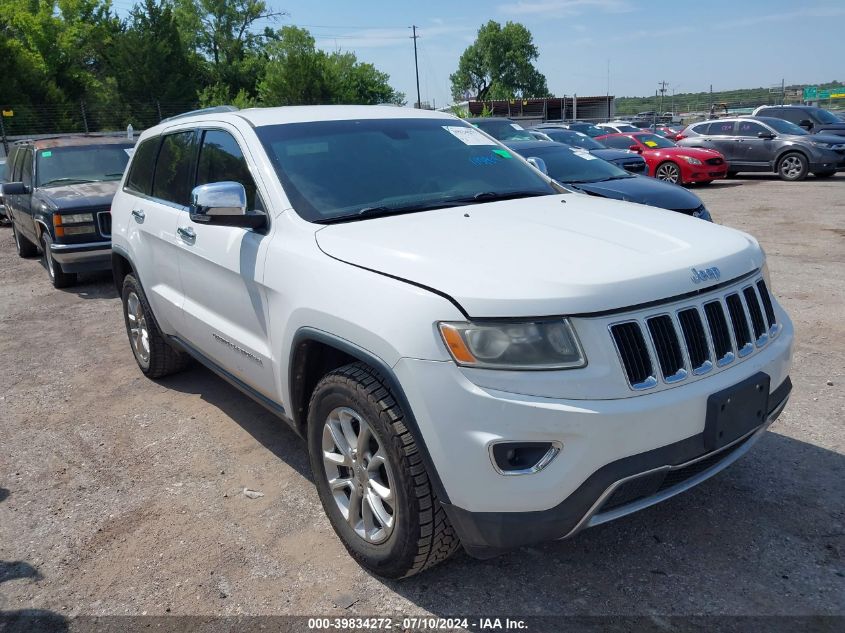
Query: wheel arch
(314, 353)
(790, 150)
(121, 266)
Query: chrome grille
(695, 339)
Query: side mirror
(766, 135)
(538, 164)
(224, 203)
(636, 148)
(14, 189)
(806, 124)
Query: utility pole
(662, 92)
(608, 89)
(416, 65)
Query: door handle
(139, 215)
(187, 234)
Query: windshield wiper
(382, 211)
(490, 196)
(73, 180)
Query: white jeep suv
(473, 355)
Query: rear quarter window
(140, 178)
(721, 128)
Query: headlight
(691, 160)
(77, 218)
(550, 344)
(766, 277)
(702, 213)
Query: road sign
(814, 93)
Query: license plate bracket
(733, 412)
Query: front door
(222, 268)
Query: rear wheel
(668, 171)
(792, 167)
(58, 277)
(154, 355)
(825, 174)
(370, 476)
(24, 247)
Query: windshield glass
(588, 128)
(576, 139)
(826, 116)
(654, 141)
(785, 127)
(504, 130)
(334, 169)
(571, 165)
(83, 163)
(624, 127)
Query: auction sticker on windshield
(468, 135)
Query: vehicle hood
(551, 255)
(612, 155)
(644, 190)
(826, 136)
(88, 194)
(837, 129)
(695, 152)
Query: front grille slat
(630, 343)
(104, 223)
(666, 346)
(695, 339)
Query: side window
(721, 128)
(749, 128)
(221, 159)
(618, 142)
(701, 128)
(16, 174)
(26, 168)
(10, 166)
(173, 171)
(140, 178)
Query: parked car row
(482, 344)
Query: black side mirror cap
(14, 189)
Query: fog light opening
(523, 458)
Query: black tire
(792, 167)
(421, 535)
(669, 171)
(58, 277)
(825, 174)
(24, 247)
(162, 359)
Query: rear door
(720, 136)
(159, 185)
(222, 269)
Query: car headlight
(766, 276)
(548, 344)
(702, 213)
(77, 218)
(691, 160)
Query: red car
(667, 161)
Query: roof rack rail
(212, 110)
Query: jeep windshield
(335, 171)
(80, 163)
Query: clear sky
(731, 44)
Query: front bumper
(605, 441)
(705, 172)
(79, 258)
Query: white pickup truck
(473, 354)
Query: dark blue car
(629, 161)
(582, 171)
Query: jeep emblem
(705, 274)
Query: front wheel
(669, 172)
(792, 167)
(58, 277)
(371, 478)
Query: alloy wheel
(359, 475)
(668, 172)
(139, 335)
(48, 258)
(791, 167)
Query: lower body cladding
(606, 459)
(82, 258)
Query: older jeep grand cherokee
(473, 355)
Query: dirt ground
(119, 495)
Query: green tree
(499, 65)
(297, 73)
